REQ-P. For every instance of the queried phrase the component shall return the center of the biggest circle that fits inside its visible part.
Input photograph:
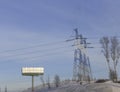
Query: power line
(35, 46)
(35, 57)
(46, 44)
(34, 52)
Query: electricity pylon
(81, 65)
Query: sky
(33, 33)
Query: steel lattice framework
(81, 66)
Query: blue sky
(27, 23)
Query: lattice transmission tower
(81, 65)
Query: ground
(76, 87)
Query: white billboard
(32, 71)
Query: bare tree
(105, 45)
(42, 80)
(6, 89)
(112, 51)
(57, 80)
(48, 83)
(115, 53)
(112, 75)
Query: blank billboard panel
(32, 71)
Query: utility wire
(46, 55)
(35, 57)
(35, 46)
(34, 52)
(41, 45)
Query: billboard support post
(32, 83)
